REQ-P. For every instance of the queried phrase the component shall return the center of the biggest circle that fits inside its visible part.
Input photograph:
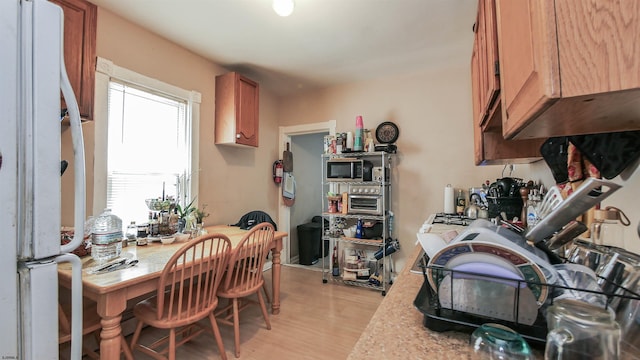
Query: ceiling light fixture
(283, 7)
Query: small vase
(181, 225)
(199, 231)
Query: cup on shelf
(349, 232)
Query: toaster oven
(366, 199)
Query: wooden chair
(244, 277)
(186, 294)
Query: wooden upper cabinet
(237, 119)
(490, 147)
(487, 47)
(568, 67)
(80, 20)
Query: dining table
(111, 290)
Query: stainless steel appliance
(438, 218)
(366, 199)
(451, 219)
(32, 73)
(344, 169)
(380, 174)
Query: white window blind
(149, 149)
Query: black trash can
(309, 242)
(320, 220)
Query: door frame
(284, 137)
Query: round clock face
(387, 133)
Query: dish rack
(442, 318)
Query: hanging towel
(289, 189)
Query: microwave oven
(345, 169)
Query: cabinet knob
(237, 136)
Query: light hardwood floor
(317, 321)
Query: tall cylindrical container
(359, 229)
(132, 233)
(106, 237)
(349, 140)
(608, 227)
(358, 141)
(449, 200)
(461, 202)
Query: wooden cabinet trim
(80, 56)
(490, 147)
(492, 87)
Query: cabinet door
(236, 114)
(247, 116)
(529, 70)
(475, 98)
(80, 19)
(488, 55)
(598, 39)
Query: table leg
(110, 308)
(275, 282)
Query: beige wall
(433, 112)
(233, 181)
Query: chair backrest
(244, 273)
(192, 276)
(64, 325)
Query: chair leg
(216, 334)
(136, 335)
(263, 307)
(172, 344)
(89, 352)
(266, 292)
(236, 327)
(125, 348)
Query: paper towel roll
(349, 140)
(449, 201)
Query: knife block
(511, 206)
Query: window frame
(105, 72)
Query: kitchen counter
(396, 330)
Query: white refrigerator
(32, 75)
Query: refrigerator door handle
(76, 302)
(78, 153)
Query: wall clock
(387, 132)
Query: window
(148, 149)
(145, 142)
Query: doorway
(287, 135)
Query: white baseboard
(267, 265)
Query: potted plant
(185, 215)
(200, 214)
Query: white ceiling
(323, 43)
